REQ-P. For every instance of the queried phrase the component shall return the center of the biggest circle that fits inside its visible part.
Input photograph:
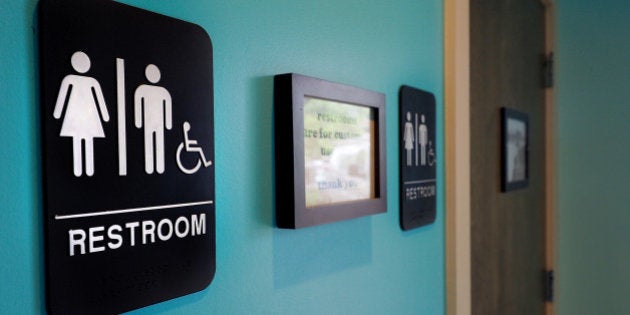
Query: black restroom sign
(418, 186)
(128, 156)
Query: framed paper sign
(514, 149)
(330, 156)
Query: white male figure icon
(423, 138)
(153, 109)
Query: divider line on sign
(130, 210)
(122, 131)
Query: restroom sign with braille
(127, 120)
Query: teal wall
(361, 266)
(593, 157)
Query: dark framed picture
(330, 151)
(514, 149)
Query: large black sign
(417, 158)
(128, 149)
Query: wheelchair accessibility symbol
(190, 146)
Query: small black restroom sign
(418, 186)
(128, 156)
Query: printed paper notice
(338, 152)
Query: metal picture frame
(514, 149)
(330, 151)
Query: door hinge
(547, 70)
(548, 285)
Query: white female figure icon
(84, 110)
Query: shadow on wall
(304, 254)
(36, 179)
(262, 133)
(309, 253)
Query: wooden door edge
(550, 188)
(457, 132)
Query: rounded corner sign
(418, 161)
(128, 156)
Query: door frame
(457, 135)
(550, 183)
